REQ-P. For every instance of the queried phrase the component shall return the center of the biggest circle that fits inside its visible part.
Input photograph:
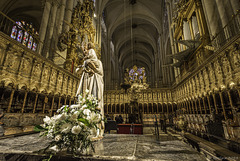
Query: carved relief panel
(218, 72)
(12, 61)
(193, 87)
(112, 97)
(235, 57)
(45, 74)
(59, 81)
(36, 72)
(212, 78)
(121, 97)
(69, 87)
(75, 85)
(155, 96)
(201, 82)
(198, 87)
(150, 96)
(159, 97)
(53, 77)
(227, 71)
(26, 66)
(206, 79)
(65, 84)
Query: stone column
(147, 108)
(111, 109)
(61, 16)
(120, 111)
(200, 105)
(65, 100)
(152, 109)
(44, 103)
(35, 103)
(209, 104)
(44, 24)
(143, 107)
(190, 107)
(230, 99)
(10, 101)
(70, 101)
(47, 47)
(52, 105)
(235, 5)
(215, 103)
(223, 107)
(193, 109)
(24, 101)
(212, 16)
(204, 104)
(68, 15)
(167, 109)
(223, 16)
(107, 102)
(59, 102)
(195, 101)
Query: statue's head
(90, 45)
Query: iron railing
(227, 33)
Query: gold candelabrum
(81, 31)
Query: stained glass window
(34, 46)
(137, 73)
(19, 24)
(25, 38)
(25, 33)
(30, 42)
(20, 35)
(14, 32)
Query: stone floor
(112, 147)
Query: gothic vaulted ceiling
(27, 10)
(134, 27)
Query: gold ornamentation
(36, 70)
(218, 72)
(26, 63)
(45, 75)
(81, 30)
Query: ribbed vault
(134, 27)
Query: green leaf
(85, 121)
(50, 157)
(66, 108)
(39, 128)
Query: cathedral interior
(171, 69)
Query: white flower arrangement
(73, 127)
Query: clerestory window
(25, 33)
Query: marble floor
(111, 147)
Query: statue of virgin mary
(92, 79)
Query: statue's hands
(79, 68)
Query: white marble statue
(92, 78)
